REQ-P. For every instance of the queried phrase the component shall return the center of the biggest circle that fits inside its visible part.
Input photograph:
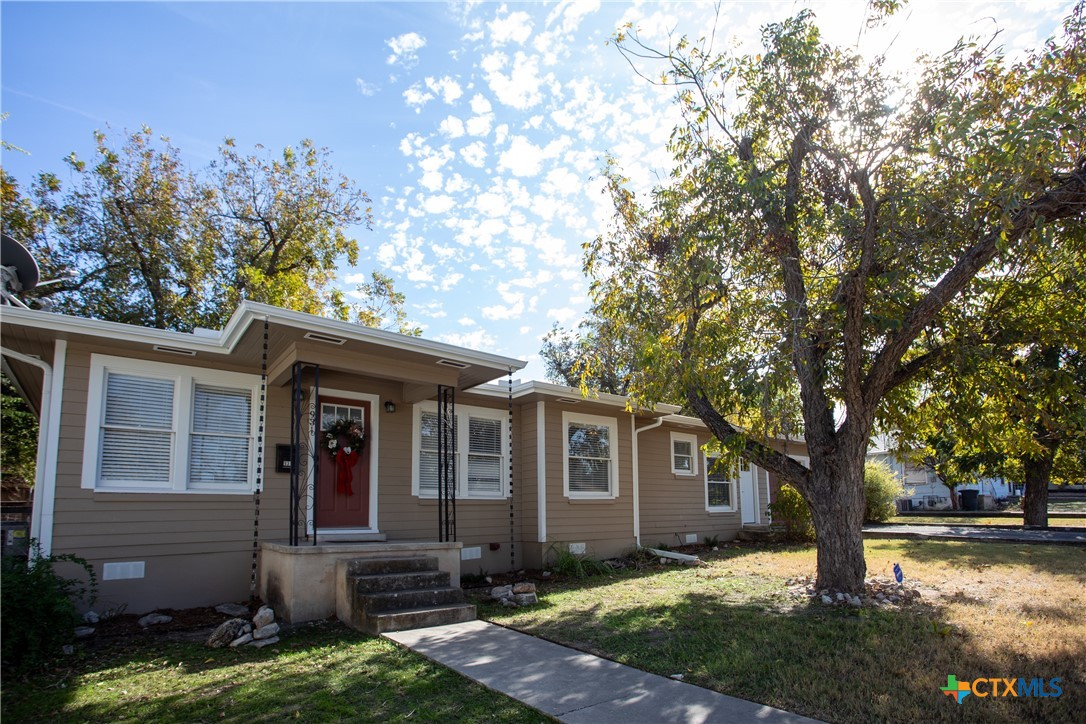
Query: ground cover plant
(319, 673)
(741, 624)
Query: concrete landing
(574, 686)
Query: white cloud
(405, 49)
(446, 87)
(452, 127)
(366, 89)
(474, 154)
(416, 97)
(466, 322)
(438, 204)
(520, 87)
(480, 105)
(480, 125)
(561, 315)
(479, 339)
(522, 158)
(434, 310)
(570, 13)
(456, 184)
(451, 280)
(431, 180)
(515, 27)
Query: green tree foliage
(820, 217)
(382, 307)
(136, 237)
(39, 605)
(20, 429)
(280, 227)
(881, 492)
(593, 356)
(1011, 400)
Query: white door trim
(748, 495)
(372, 442)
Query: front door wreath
(344, 439)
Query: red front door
(343, 482)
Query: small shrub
(576, 566)
(881, 490)
(713, 541)
(791, 510)
(39, 606)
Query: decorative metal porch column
(446, 463)
(303, 449)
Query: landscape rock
(855, 601)
(677, 677)
(266, 632)
(234, 610)
(68, 649)
(827, 600)
(499, 592)
(82, 632)
(546, 574)
(524, 588)
(840, 597)
(265, 642)
(525, 599)
(226, 632)
(91, 617)
(153, 619)
(263, 617)
(508, 603)
(241, 640)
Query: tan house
(194, 469)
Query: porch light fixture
(390, 406)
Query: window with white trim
(684, 448)
(157, 427)
(720, 480)
(590, 455)
(481, 451)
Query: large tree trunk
(1038, 469)
(836, 498)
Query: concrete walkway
(573, 686)
(1051, 536)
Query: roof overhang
(527, 391)
(471, 367)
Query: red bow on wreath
(344, 462)
(345, 455)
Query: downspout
(41, 516)
(636, 475)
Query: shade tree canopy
(821, 217)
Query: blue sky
(477, 128)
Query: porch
(305, 582)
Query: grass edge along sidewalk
(744, 626)
(320, 673)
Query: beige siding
(673, 506)
(604, 526)
(181, 538)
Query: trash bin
(969, 499)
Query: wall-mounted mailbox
(282, 458)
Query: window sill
(172, 491)
(591, 499)
(461, 498)
(720, 510)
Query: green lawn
(736, 626)
(321, 673)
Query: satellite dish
(18, 269)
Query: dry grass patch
(736, 626)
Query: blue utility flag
(898, 575)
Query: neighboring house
(180, 465)
(924, 490)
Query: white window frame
(733, 488)
(184, 380)
(611, 424)
(463, 412)
(693, 440)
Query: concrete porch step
(381, 566)
(401, 600)
(383, 582)
(760, 533)
(423, 617)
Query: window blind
(219, 446)
(137, 431)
